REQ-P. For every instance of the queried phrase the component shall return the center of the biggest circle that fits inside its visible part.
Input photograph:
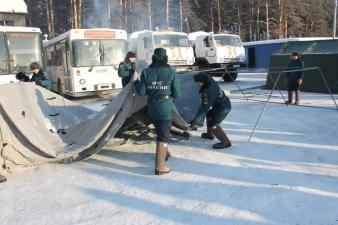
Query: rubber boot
(220, 135)
(208, 135)
(168, 155)
(290, 97)
(297, 97)
(161, 153)
(2, 178)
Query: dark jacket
(37, 78)
(295, 65)
(213, 97)
(126, 71)
(156, 82)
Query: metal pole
(233, 80)
(277, 87)
(327, 86)
(335, 19)
(265, 106)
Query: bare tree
(50, 17)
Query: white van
(177, 44)
(218, 51)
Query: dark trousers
(293, 87)
(217, 114)
(162, 128)
(126, 80)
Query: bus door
(67, 72)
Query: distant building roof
(13, 6)
(285, 40)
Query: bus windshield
(171, 40)
(24, 48)
(98, 52)
(226, 40)
(3, 55)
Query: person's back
(160, 84)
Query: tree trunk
(280, 20)
(239, 17)
(258, 32)
(267, 20)
(50, 17)
(252, 20)
(219, 15)
(181, 15)
(150, 15)
(168, 13)
(212, 19)
(79, 13)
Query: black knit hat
(160, 52)
(131, 55)
(202, 77)
(160, 56)
(295, 54)
(34, 66)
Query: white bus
(83, 62)
(19, 47)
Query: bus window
(86, 53)
(98, 52)
(3, 55)
(24, 48)
(58, 55)
(50, 55)
(114, 51)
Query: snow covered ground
(287, 174)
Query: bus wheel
(231, 75)
(60, 89)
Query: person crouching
(215, 107)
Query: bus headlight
(82, 81)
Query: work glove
(193, 126)
(22, 77)
(38, 83)
(131, 71)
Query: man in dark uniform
(2, 178)
(215, 107)
(127, 68)
(38, 76)
(160, 84)
(294, 80)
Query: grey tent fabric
(38, 126)
(187, 105)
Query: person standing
(215, 107)
(294, 79)
(127, 68)
(160, 83)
